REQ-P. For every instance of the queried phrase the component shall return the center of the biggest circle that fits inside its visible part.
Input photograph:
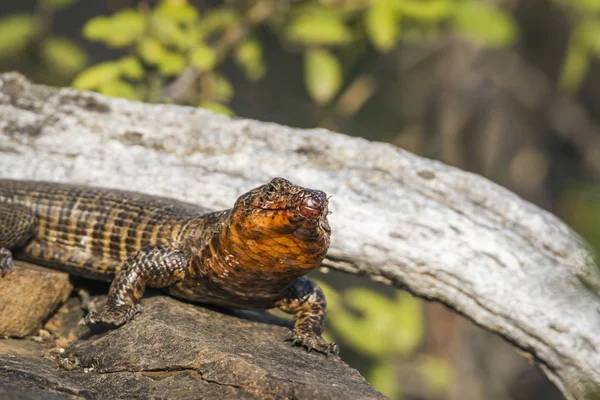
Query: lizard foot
(115, 315)
(312, 341)
(7, 263)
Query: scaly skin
(251, 256)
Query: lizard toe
(115, 316)
(312, 341)
(7, 263)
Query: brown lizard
(252, 256)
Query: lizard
(252, 256)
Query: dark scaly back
(91, 231)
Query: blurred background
(507, 89)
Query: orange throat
(281, 254)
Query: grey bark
(414, 223)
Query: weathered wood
(442, 233)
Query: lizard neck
(243, 250)
(245, 267)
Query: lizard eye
(271, 188)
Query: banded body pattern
(91, 231)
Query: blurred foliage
(173, 52)
(181, 50)
(323, 75)
(385, 329)
(580, 207)
(61, 54)
(584, 43)
(23, 33)
(15, 32)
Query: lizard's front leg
(306, 301)
(18, 225)
(155, 266)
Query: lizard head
(284, 219)
(286, 208)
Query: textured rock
(177, 350)
(28, 295)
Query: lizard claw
(312, 341)
(333, 349)
(7, 264)
(115, 315)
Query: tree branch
(444, 234)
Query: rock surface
(28, 295)
(174, 350)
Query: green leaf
(171, 64)
(131, 68)
(217, 20)
(484, 23)
(589, 30)
(383, 378)
(575, 67)
(249, 55)
(203, 57)
(437, 373)
(381, 23)
(583, 44)
(223, 88)
(97, 76)
(119, 30)
(63, 55)
(179, 12)
(150, 50)
(407, 336)
(586, 6)
(169, 32)
(216, 107)
(15, 32)
(424, 11)
(58, 3)
(322, 75)
(97, 28)
(118, 88)
(386, 326)
(577, 61)
(317, 26)
(580, 206)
